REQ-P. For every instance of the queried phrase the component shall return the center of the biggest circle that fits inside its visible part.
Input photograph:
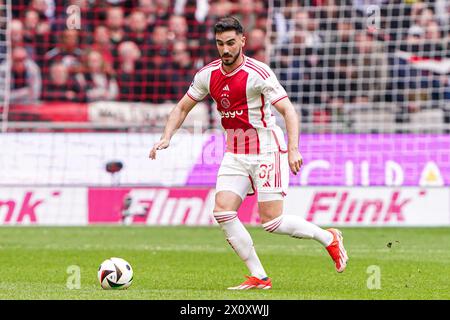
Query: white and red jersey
(243, 98)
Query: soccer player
(256, 154)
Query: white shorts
(245, 173)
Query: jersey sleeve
(271, 88)
(198, 89)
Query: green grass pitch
(197, 263)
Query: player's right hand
(162, 144)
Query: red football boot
(253, 283)
(337, 251)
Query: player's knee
(266, 217)
(220, 207)
(269, 211)
(226, 201)
(270, 206)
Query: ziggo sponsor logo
(231, 114)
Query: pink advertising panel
(159, 206)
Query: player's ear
(243, 38)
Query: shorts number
(265, 170)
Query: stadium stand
(348, 66)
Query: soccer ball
(115, 273)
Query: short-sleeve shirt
(243, 98)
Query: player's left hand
(295, 161)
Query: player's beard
(233, 60)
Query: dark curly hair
(227, 24)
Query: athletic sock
(298, 227)
(241, 241)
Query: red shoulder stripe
(212, 64)
(259, 72)
(260, 68)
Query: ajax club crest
(225, 103)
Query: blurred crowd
(130, 50)
(328, 53)
(335, 55)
